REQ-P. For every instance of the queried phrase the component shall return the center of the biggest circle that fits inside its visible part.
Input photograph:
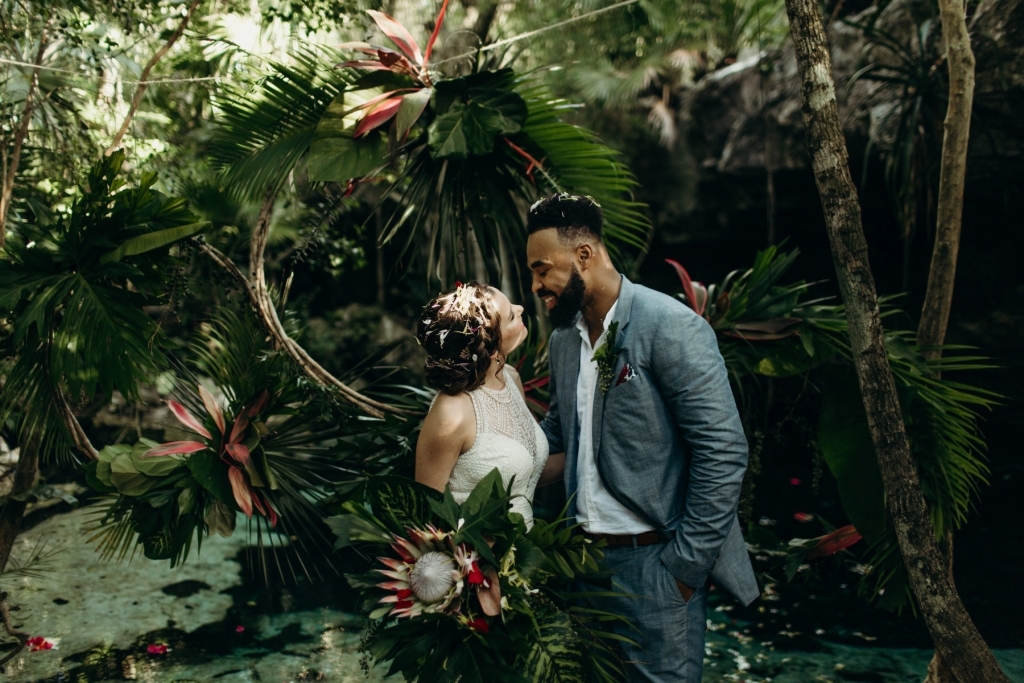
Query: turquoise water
(218, 623)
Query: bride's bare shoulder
(451, 414)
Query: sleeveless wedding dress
(507, 437)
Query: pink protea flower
(427, 578)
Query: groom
(655, 453)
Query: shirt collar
(581, 324)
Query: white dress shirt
(596, 509)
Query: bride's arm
(448, 431)
(552, 469)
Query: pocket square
(627, 374)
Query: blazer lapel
(568, 376)
(622, 311)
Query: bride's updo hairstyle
(459, 330)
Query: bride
(479, 419)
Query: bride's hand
(552, 469)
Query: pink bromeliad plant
(405, 103)
(233, 444)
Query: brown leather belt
(614, 541)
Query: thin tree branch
(11, 169)
(144, 83)
(255, 288)
(931, 331)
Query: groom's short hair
(576, 217)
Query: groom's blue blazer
(668, 443)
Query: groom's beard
(569, 303)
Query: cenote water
(212, 620)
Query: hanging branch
(78, 435)
(144, 83)
(11, 169)
(268, 314)
(931, 331)
(951, 628)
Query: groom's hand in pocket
(685, 590)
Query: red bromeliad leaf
(212, 408)
(765, 330)
(396, 62)
(239, 452)
(398, 35)
(540, 404)
(238, 429)
(536, 383)
(434, 34)
(240, 489)
(378, 116)
(188, 419)
(832, 543)
(376, 100)
(368, 64)
(691, 295)
(271, 513)
(174, 448)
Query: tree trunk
(951, 628)
(143, 82)
(13, 510)
(953, 167)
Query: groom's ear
(585, 254)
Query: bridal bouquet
(465, 592)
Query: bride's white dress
(507, 437)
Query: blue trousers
(670, 644)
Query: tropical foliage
(272, 447)
(463, 157)
(75, 287)
(471, 593)
(768, 329)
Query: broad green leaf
(212, 474)
(846, 445)
(352, 529)
(509, 105)
(410, 111)
(157, 466)
(464, 130)
(334, 156)
(127, 478)
(153, 240)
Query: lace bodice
(507, 437)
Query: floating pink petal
(239, 629)
(156, 649)
(803, 517)
(795, 482)
(188, 419)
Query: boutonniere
(605, 355)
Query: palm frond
(265, 131)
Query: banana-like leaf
(153, 240)
(556, 655)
